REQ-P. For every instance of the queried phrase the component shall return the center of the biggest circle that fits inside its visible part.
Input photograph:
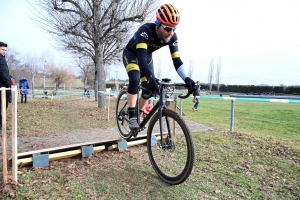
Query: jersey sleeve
(142, 36)
(178, 64)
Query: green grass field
(277, 121)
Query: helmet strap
(157, 22)
(157, 31)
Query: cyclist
(137, 57)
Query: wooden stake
(4, 141)
(14, 122)
(108, 91)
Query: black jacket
(5, 80)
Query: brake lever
(185, 96)
(147, 96)
(152, 93)
(189, 93)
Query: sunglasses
(169, 28)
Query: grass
(268, 121)
(259, 160)
(39, 117)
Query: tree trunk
(96, 86)
(101, 78)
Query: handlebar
(165, 82)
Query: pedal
(120, 118)
(134, 133)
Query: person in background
(45, 93)
(8, 92)
(197, 97)
(54, 91)
(24, 86)
(5, 78)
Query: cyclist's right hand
(152, 83)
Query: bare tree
(94, 28)
(218, 73)
(158, 70)
(60, 74)
(21, 66)
(211, 73)
(31, 65)
(13, 60)
(191, 69)
(87, 71)
(70, 81)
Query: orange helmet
(168, 15)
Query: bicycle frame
(159, 106)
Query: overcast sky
(258, 41)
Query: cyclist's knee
(134, 80)
(132, 90)
(133, 86)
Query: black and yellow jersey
(145, 41)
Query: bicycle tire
(122, 115)
(181, 152)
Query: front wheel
(172, 157)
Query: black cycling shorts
(134, 74)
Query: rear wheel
(173, 159)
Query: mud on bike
(169, 142)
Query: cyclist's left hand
(190, 84)
(152, 83)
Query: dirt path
(26, 144)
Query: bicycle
(169, 142)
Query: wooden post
(108, 91)
(4, 141)
(14, 123)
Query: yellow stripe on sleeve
(142, 46)
(131, 66)
(175, 54)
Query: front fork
(165, 143)
(168, 144)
